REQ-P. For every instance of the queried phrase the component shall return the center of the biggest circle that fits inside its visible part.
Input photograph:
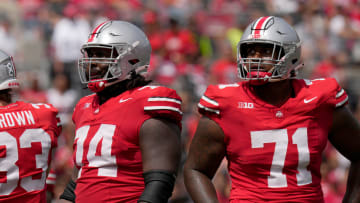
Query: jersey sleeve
(55, 120)
(163, 102)
(209, 103)
(337, 95)
(49, 114)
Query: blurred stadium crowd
(194, 45)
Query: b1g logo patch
(245, 105)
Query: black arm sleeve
(159, 185)
(69, 193)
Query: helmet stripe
(92, 35)
(259, 26)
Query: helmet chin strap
(99, 86)
(288, 75)
(265, 77)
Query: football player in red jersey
(28, 136)
(271, 127)
(127, 143)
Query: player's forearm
(353, 184)
(200, 187)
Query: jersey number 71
(280, 137)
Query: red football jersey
(106, 147)
(28, 134)
(274, 153)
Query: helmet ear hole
(133, 61)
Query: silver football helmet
(7, 72)
(130, 52)
(284, 40)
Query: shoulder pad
(332, 93)
(162, 102)
(208, 104)
(49, 113)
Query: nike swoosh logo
(280, 33)
(124, 100)
(114, 34)
(309, 100)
